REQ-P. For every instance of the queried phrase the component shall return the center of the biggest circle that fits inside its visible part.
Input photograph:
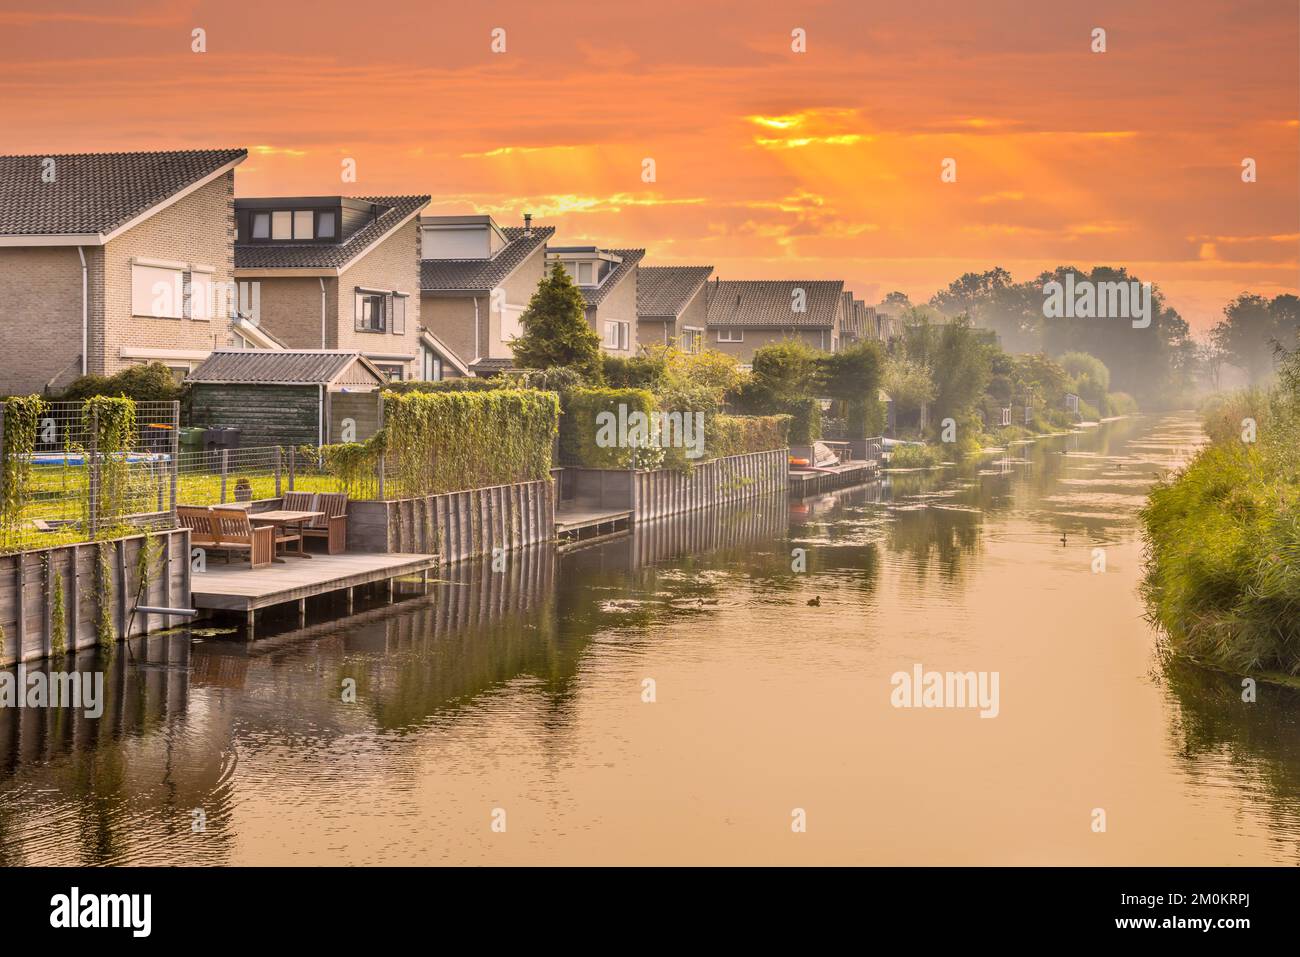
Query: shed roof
(338, 370)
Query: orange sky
(769, 163)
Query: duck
(815, 602)
(1063, 538)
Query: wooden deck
(836, 476)
(579, 521)
(238, 588)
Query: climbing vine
(58, 615)
(104, 591)
(353, 465)
(21, 418)
(110, 422)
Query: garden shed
(287, 397)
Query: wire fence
(75, 473)
(223, 476)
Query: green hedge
(805, 421)
(438, 442)
(742, 434)
(578, 427)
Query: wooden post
(293, 461)
(250, 621)
(20, 603)
(48, 615)
(279, 465)
(74, 599)
(225, 472)
(123, 615)
(302, 612)
(350, 599)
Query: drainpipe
(320, 416)
(322, 313)
(476, 355)
(85, 314)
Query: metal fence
(221, 476)
(71, 486)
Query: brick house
(671, 307)
(476, 279)
(745, 315)
(332, 272)
(113, 259)
(609, 281)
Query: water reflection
(522, 686)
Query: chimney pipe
(528, 224)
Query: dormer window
(261, 225)
(282, 224)
(325, 225)
(584, 274)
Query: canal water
(503, 717)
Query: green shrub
(805, 421)
(1121, 403)
(579, 429)
(633, 372)
(742, 434)
(153, 382)
(915, 457)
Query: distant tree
(895, 303)
(556, 332)
(961, 368)
(1253, 331)
(1088, 375)
(993, 301)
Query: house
(670, 306)
(112, 259)
(476, 279)
(608, 279)
(747, 314)
(333, 272)
(288, 397)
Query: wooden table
(287, 519)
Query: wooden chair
(199, 521)
(232, 531)
(332, 526)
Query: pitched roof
(664, 291)
(287, 367)
(770, 302)
(487, 366)
(96, 193)
(482, 275)
(595, 295)
(395, 209)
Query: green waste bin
(192, 439)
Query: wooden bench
(332, 526)
(229, 530)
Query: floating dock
(240, 589)
(581, 522)
(809, 482)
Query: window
(617, 335)
(282, 224)
(399, 314)
(692, 338)
(369, 311)
(391, 373)
(731, 335)
(325, 225)
(157, 291)
(261, 225)
(302, 223)
(430, 365)
(584, 274)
